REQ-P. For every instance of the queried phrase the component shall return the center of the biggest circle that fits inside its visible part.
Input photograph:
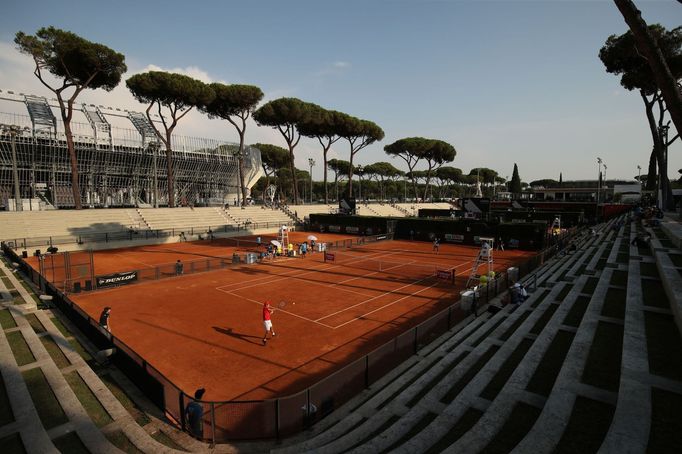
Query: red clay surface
(205, 330)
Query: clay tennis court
(205, 329)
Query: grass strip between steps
(140, 417)
(544, 319)
(388, 423)
(577, 311)
(506, 370)
(119, 439)
(587, 427)
(70, 443)
(614, 303)
(464, 380)
(435, 380)
(653, 294)
(520, 421)
(514, 326)
(32, 320)
(407, 383)
(55, 352)
(6, 319)
(465, 423)
(666, 424)
(163, 438)
(664, 345)
(60, 326)
(88, 399)
(421, 424)
(6, 414)
(45, 402)
(22, 353)
(12, 444)
(547, 370)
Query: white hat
(517, 285)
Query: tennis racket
(282, 304)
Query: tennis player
(267, 321)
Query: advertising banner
(113, 280)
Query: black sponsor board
(113, 280)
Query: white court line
(385, 306)
(293, 274)
(384, 294)
(378, 296)
(276, 309)
(135, 260)
(370, 274)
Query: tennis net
(249, 245)
(393, 269)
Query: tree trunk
(667, 201)
(648, 47)
(294, 180)
(651, 175)
(75, 184)
(350, 176)
(336, 184)
(242, 186)
(326, 189)
(416, 191)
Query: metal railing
(278, 417)
(134, 235)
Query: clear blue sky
(502, 81)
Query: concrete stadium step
(33, 435)
(511, 392)
(451, 352)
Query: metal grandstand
(116, 165)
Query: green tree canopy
(437, 154)
(286, 115)
(515, 185)
(486, 175)
(411, 150)
(340, 168)
(449, 174)
(178, 94)
(323, 125)
(235, 103)
(359, 134)
(80, 64)
(545, 183)
(621, 56)
(273, 158)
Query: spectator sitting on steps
(641, 240)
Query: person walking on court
(267, 321)
(104, 318)
(436, 245)
(179, 268)
(194, 415)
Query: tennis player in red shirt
(267, 321)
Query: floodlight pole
(606, 186)
(311, 161)
(359, 182)
(13, 130)
(599, 161)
